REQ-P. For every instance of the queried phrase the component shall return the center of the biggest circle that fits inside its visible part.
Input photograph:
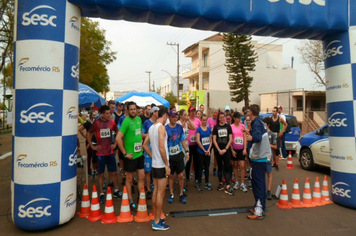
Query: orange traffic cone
(125, 213)
(317, 194)
(95, 213)
(307, 199)
(290, 162)
(325, 192)
(109, 215)
(283, 197)
(152, 215)
(85, 206)
(142, 214)
(295, 202)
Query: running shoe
(159, 226)
(162, 221)
(102, 198)
(171, 198)
(208, 186)
(117, 194)
(228, 190)
(133, 206)
(215, 172)
(149, 195)
(200, 188)
(269, 195)
(255, 217)
(236, 186)
(243, 188)
(182, 199)
(220, 187)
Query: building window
(181, 87)
(203, 83)
(205, 59)
(300, 105)
(316, 105)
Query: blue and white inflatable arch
(46, 42)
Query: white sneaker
(243, 188)
(236, 186)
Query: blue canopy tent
(143, 99)
(87, 96)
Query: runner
(103, 128)
(204, 141)
(212, 121)
(157, 136)
(146, 114)
(130, 144)
(222, 138)
(148, 160)
(275, 127)
(202, 108)
(192, 142)
(259, 152)
(283, 141)
(238, 150)
(118, 113)
(198, 114)
(273, 143)
(176, 145)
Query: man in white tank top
(157, 136)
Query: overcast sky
(143, 47)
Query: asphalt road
(326, 220)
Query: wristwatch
(125, 153)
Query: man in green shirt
(130, 144)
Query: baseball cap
(119, 103)
(172, 113)
(192, 108)
(154, 109)
(227, 108)
(280, 107)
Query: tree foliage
(240, 59)
(95, 54)
(313, 55)
(171, 98)
(6, 40)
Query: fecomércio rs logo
(70, 200)
(26, 162)
(70, 113)
(74, 23)
(25, 65)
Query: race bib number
(193, 139)
(205, 141)
(174, 150)
(222, 133)
(238, 140)
(138, 147)
(105, 133)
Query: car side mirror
(318, 132)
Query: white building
(208, 72)
(170, 85)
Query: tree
(240, 61)
(312, 55)
(6, 40)
(95, 54)
(171, 98)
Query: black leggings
(192, 154)
(223, 159)
(203, 162)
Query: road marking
(5, 155)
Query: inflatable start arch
(46, 72)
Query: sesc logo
(32, 18)
(333, 49)
(36, 117)
(74, 23)
(70, 113)
(31, 211)
(304, 2)
(75, 71)
(338, 189)
(73, 158)
(337, 119)
(70, 201)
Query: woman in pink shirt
(238, 150)
(212, 121)
(192, 141)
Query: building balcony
(195, 72)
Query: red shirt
(103, 133)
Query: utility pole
(177, 44)
(149, 81)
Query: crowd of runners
(161, 145)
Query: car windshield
(292, 121)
